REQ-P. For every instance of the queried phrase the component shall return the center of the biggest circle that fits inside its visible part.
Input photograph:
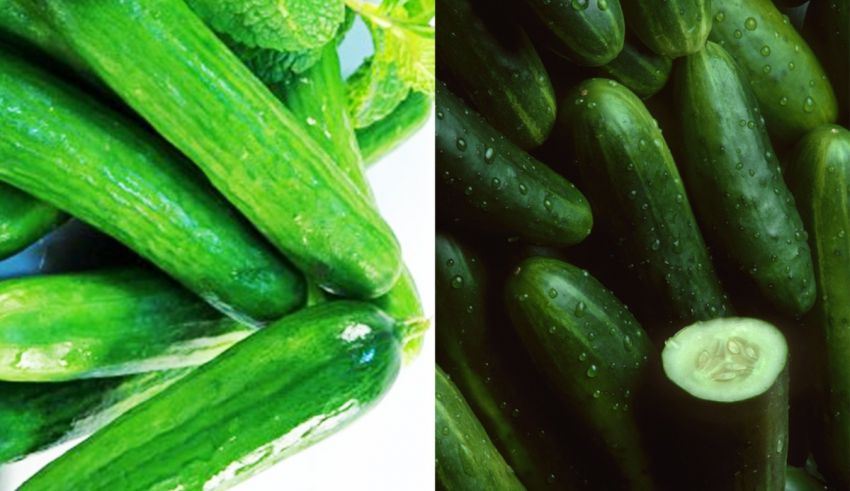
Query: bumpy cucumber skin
(791, 87)
(491, 62)
(735, 182)
(641, 70)
(589, 36)
(484, 179)
(671, 28)
(24, 220)
(819, 174)
(591, 349)
(101, 168)
(381, 137)
(167, 65)
(827, 29)
(103, 324)
(634, 185)
(277, 392)
(466, 458)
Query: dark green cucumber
(93, 163)
(381, 137)
(827, 29)
(169, 67)
(588, 32)
(38, 416)
(102, 324)
(492, 63)
(735, 182)
(466, 458)
(791, 87)
(484, 179)
(479, 351)
(639, 69)
(819, 174)
(297, 381)
(727, 406)
(671, 28)
(24, 220)
(634, 185)
(797, 479)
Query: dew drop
(580, 309)
(592, 371)
(488, 155)
(751, 24)
(457, 282)
(461, 144)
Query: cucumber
(819, 173)
(639, 69)
(381, 137)
(36, 416)
(593, 352)
(466, 458)
(491, 62)
(633, 184)
(170, 68)
(728, 405)
(24, 21)
(827, 29)
(91, 162)
(672, 28)
(735, 182)
(797, 479)
(275, 393)
(589, 33)
(791, 87)
(486, 180)
(24, 220)
(103, 324)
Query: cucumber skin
(104, 324)
(492, 63)
(23, 20)
(672, 28)
(317, 369)
(169, 67)
(584, 340)
(819, 173)
(788, 122)
(147, 197)
(508, 193)
(644, 72)
(827, 29)
(466, 458)
(767, 240)
(381, 137)
(24, 220)
(590, 37)
(663, 240)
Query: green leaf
(272, 66)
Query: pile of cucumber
(259, 301)
(643, 245)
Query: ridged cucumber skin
(24, 220)
(277, 392)
(466, 458)
(169, 67)
(486, 180)
(827, 29)
(104, 324)
(819, 174)
(94, 164)
(37, 416)
(672, 28)
(381, 137)
(643, 71)
(634, 186)
(497, 377)
(735, 181)
(592, 350)
(491, 62)
(791, 86)
(797, 479)
(589, 36)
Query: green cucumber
(492, 63)
(103, 324)
(639, 69)
(634, 185)
(590, 33)
(735, 181)
(37, 416)
(819, 173)
(593, 352)
(728, 405)
(797, 479)
(671, 28)
(299, 380)
(24, 20)
(381, 137)
(827, 29)
(24, 220)
(486, 180)
(93, 163)
(466, 458)
(169, 67)
(791, 87)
